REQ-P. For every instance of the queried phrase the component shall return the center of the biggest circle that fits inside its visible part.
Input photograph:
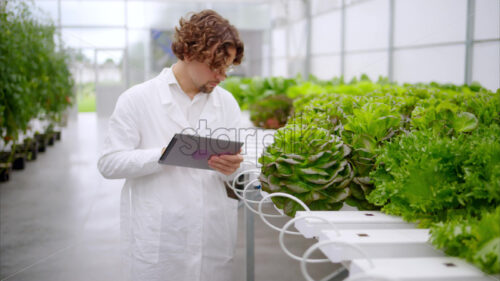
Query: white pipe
(280, 194)
(245, 190)
(289, 223)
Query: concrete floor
(59, 219)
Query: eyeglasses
(223, 71)
(230, 69)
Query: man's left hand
(226, 164)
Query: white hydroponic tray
(420, 269)
(378, 243)
(311, 227)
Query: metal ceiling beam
(469, 41)
(307, 61)
(390, 51)
(342, 39)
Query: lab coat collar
(209, 112)
(167, 75)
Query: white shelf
(311, 227)
(378, 243)
(421, 269)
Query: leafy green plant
(370, 124)
(443, 117)
(35, 81)
(475, 239)
(271, 112)
(233, 85)
(430, 178)
(317, 173)
(248, 91)
(427, 152)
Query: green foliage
(86, 97)
(271, 112)
(234, 84)
(475, 239)
(247, 91)
(370, 124)
(427, 152)
(317, 173)
(304, 89)
(431, 178)
(34, 77)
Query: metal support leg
(249, 237)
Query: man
(177, 223)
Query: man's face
(205, 78)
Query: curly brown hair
(204, 31)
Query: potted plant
(6, 157)
(271, 112)
(31, 148)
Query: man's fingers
(223, 161)
(222, 164)
(221, 168)
(225, 166)
(237, 158)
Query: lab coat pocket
(147, 229)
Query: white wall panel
(371, 64)
(279, 43)
(326, 32)
(140, 63)
(321, 6)
(278, 10)
(440, 64)
(280, 67)
(296, 9)
(265, 68)
(487, 19)
(298, 38)
(486, 65)
(92, 13)
(158, 14)
(48, 9)
(93, 38)
(243, 15)
(420, 22)
(367, 25)
(325, 67)
(296, 66)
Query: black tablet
(194, 151)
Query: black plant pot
(5, 166)
(32, 151)
(19, 161)
(42, 142)
(58, 135)
(5, 169)
(51, 139)
(4, 157)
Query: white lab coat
(176, 223)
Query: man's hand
(226, 164)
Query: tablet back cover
(194, 151)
